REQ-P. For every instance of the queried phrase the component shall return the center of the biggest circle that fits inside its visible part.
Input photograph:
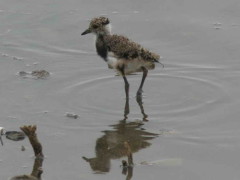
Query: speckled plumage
(122, 47)
(120, 53)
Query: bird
(120, 53)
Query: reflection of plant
(30, 131)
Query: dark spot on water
(41, 74)
(72, 115)
(15, 135)
(37, 74)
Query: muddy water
(185, 127)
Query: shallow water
(187, 125)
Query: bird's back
(124, 48)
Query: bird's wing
(124, 48)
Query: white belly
(130, 66)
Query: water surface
(185, 127)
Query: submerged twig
(30, 132)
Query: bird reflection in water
(111, 144)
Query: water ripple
(166, 95)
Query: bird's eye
(95, 26)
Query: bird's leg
(140, 103)
(125, 81)
(126, 109)
(126, 86)
(145, 72)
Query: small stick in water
(37, 171)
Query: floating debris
(41, 74)
(17, 58)
(15, 135)
(71, 115)
(37, 74)
(217, 25)
(23, 73)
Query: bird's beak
(86, 32)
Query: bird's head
(98, 26)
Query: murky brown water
(192, 105)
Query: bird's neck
(101, 44)
(101, 47)
(108, 29)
